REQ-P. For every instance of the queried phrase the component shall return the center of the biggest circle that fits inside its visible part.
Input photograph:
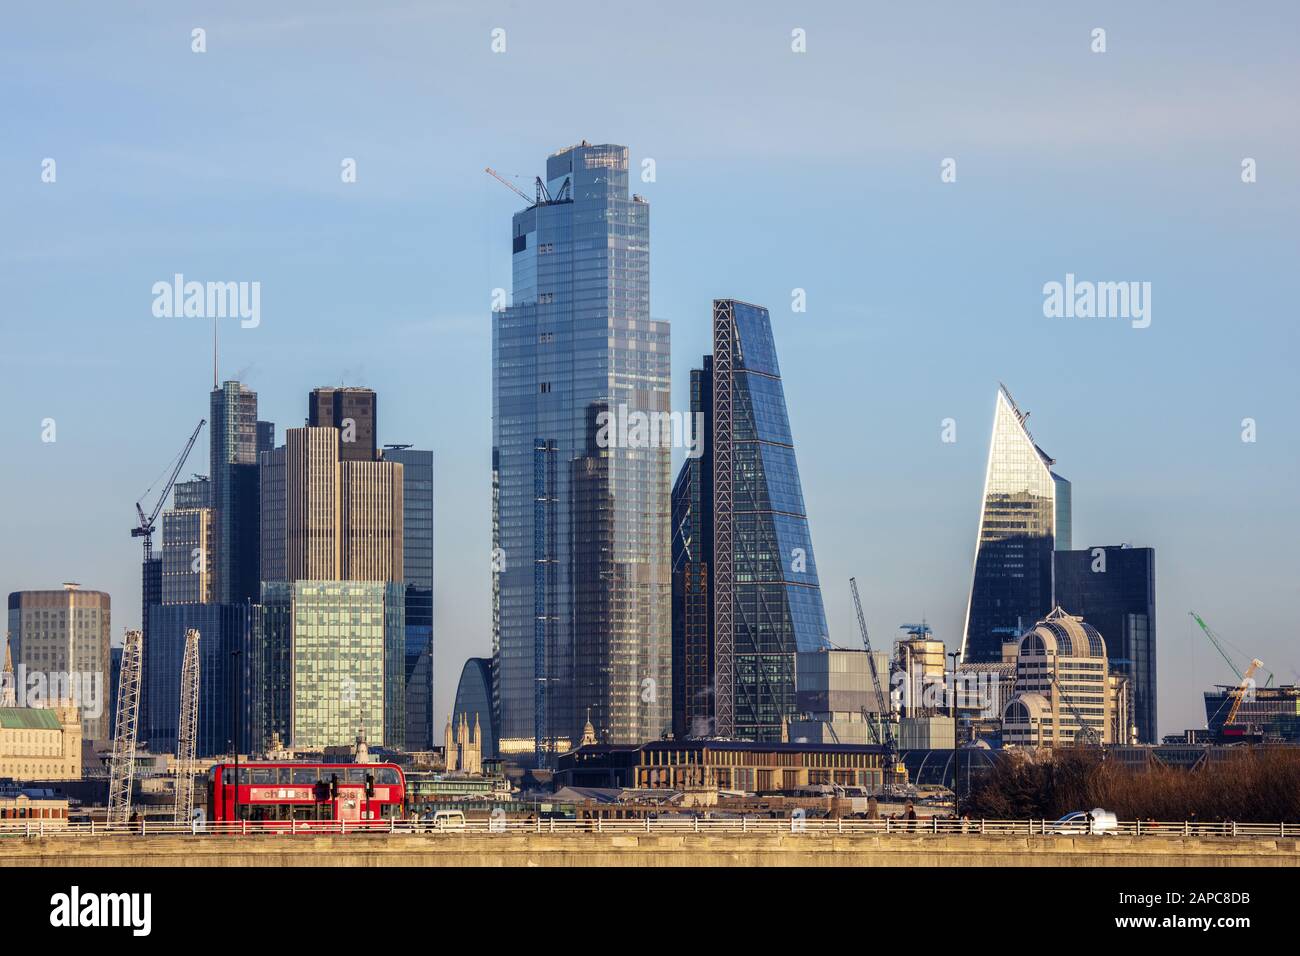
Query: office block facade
(747, 597)
(1024, 511)
(583, 588)
(61, 639)
(326, 519)
(236, 438)
(1114, 589)
(186, 572)
(354, 412)
(332, 662)
(224, 652)
(417, 552)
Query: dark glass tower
(1120, 601)
(474, 698)
(223, 629)
(354, 412)
(1025, 515)
(692, 543)
(582, 580)
(236, 439)
(745, 587)
(417, 550)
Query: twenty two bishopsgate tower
(1024, 517)
(581, 550)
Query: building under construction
(1266, 714)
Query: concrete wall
(807, 849)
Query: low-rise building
(40, 743)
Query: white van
(1095, 822)
(449, 820)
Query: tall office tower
(747, 597)
(326, 519)
(196, 493)
(417, 554)
(64, 637)
(692, 553)
(223, 647)
(1025, 515)
(582, 530)
(186, 557)
(1114, 589)
(236, 438)
(332, 653)
(353, 411)
(370, 521)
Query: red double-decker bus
(307, 793)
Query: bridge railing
(931, 826)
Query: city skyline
(900, 333)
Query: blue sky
(775, 171)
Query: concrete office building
(354, 413)
(835, 697)
(1065, 692)
(60, 649)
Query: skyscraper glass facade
(474, 698)
(223, 630)
(236, 437)
(417, 546)
(1114, 589)
(582, 530)
(333, 656)
(1023, 507)
(746, 596)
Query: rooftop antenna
(214, 353)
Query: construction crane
(1218, 643)
(145, 528)
(1089, 734)
(187, 729)
(1239, 694)
(122, 765)
(884, 735)
(508, 184)
(542, 195)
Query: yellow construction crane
(1239, 694)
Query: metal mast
(882, 702)
(187, 729)
(122, 767)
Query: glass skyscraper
(746, 596)
(1025, 515)
(236, 438)
(223, 630)
(474, 699)
(581, 530)
(417, 548)
(1118, 597)
(332, 662)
